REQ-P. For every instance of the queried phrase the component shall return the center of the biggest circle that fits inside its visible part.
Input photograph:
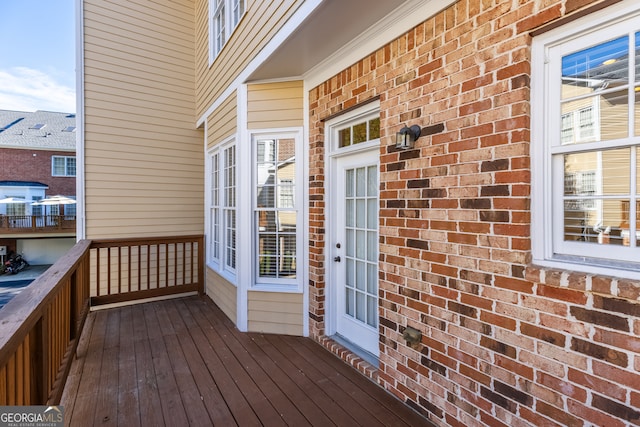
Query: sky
(37, 55)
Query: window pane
(596, 221)
(637, 50)
(215, 219)
(344, 137)
(374, 128)
(597, 173)
(286, 150)
(637, 171)
(637, 224)
(286, 194)
(360, 133)
(372, 311)
(360, 306)
(360, 244)
(372, 181)
(636, 114)
(361, 213)
(266, 197)
(58, 165)
(372, 214)
(598, 118)
(372, 278)
(595, 68)
(349, 184)
(361, 278)
(351, 272)
(350, 213)
(372, 246)
(361, 182)
(350, 302)
(351, 243)
(71, 166)
(231, 239)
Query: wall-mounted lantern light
(407, 136)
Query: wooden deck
(181, 362)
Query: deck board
(183, 362)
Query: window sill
(285, 289)
(591, 266)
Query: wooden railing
(39, 331)
(37, 223)
(124, 270)
(41, 326)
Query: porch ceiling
(328, 28)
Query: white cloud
(26, 89)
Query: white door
(353, 248)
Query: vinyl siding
(143, 155)
(223, 122)
(276, 313)
(260, 23)
(275, 105)
(222, 293)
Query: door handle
(336, 259)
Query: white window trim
(546, 229)
(229, 24)
(281, 285)
(66, 166)
(219, 264)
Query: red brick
(597, 384)
(566, 388)
(566, 295)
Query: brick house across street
(37, 160)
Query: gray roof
(17, 130)
(22, 184)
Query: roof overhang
(332, 25)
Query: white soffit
(339, 33)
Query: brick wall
(504, 343)
(35, 165)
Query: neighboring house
(502, 239)
(37, 159)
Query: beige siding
(143, 155)
(261, 22)
(275, 105)
(223, 121)
(222, 293)
(276, 313)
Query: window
(36, 210)
(363, 131)
(215, 207)
(222, 208)
(277, 213)
(16, 209)
(586, 144)
(63, 166)
(224, 16)
(229, 206)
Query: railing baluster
(119, 270)
(166, 264)
(129, 268)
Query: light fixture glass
(407, 136)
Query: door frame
(332, 153)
